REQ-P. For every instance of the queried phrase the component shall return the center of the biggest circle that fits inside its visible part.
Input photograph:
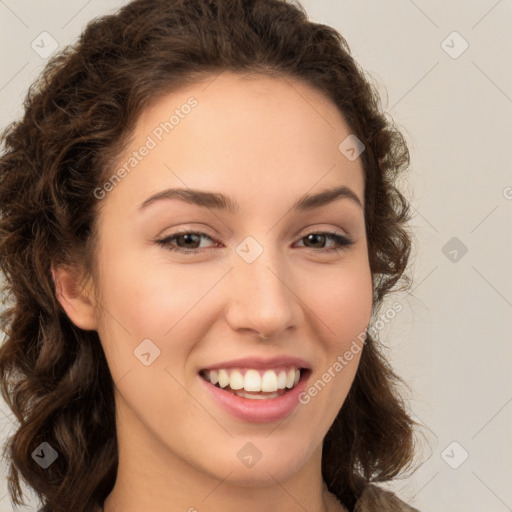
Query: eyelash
(342, 240)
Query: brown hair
(78, 117)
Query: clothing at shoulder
(376, 499)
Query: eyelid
(334, 231)
(205, 231)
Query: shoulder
(377, 499)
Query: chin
(278, 464)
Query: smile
(253, 383)
(256, 395)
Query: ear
(76, 299)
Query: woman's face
(258, 288)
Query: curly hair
(78, 116)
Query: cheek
(162, 303)
(344, 305)
(148, 297)
(343, 301)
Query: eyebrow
(218, 201)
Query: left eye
(192, 238)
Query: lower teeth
(258, 396)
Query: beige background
(451, 342)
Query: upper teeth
(254, 380)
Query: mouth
(256, 384)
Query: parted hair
(78, 116)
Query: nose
(262, 297)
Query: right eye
(188, 237)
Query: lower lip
(258, 410)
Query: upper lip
(261, 363)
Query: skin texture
(265, 142)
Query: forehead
(241, 132)
(246, 99)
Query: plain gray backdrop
(443, 70)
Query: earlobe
(75, 298)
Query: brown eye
(186, 242)
(319, 239)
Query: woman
(176, 339)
